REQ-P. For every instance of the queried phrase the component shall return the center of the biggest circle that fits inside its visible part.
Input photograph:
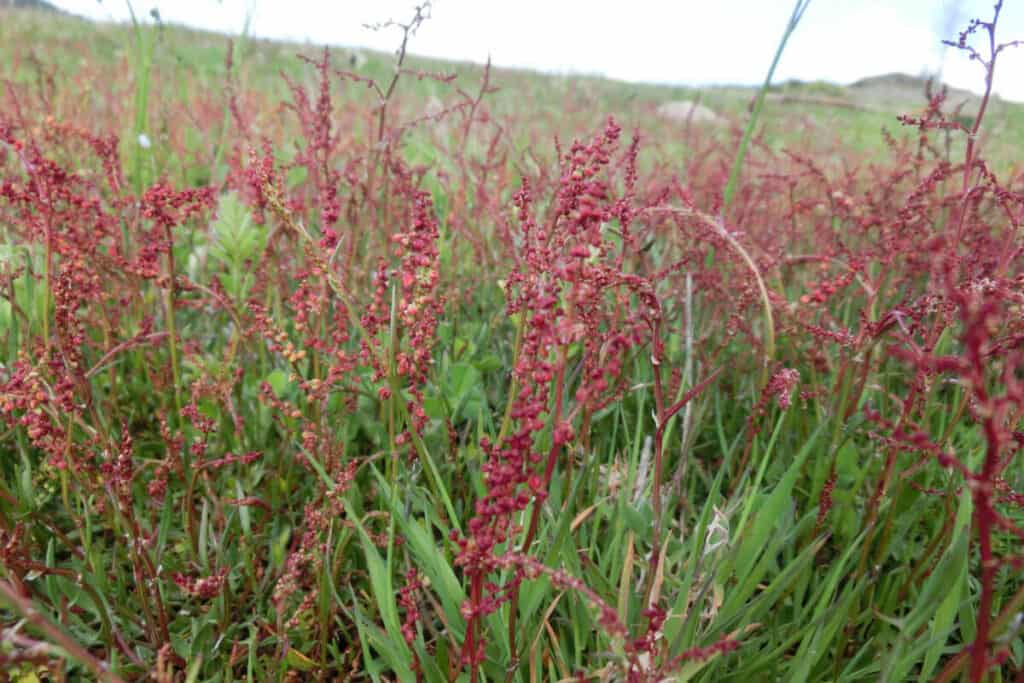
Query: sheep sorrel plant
(356, 368)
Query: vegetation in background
(367, 370)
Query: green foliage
(237, 244)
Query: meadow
(335, 365)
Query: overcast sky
(693, 42)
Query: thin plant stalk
(143, 64)
(56, 635)
(741, 152)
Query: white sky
(694, 42)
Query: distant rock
(684, 111)
(897, 89)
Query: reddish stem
(549, 470)
(984, 516)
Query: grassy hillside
(38, 46)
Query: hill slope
(856, 113)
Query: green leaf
(429, 557)
(382, 588)
(463, 378)
(828, 615)
(237, 241)
(769, 510)
(945, 615)
(393, 651)
(297, 660)
(278, 381)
